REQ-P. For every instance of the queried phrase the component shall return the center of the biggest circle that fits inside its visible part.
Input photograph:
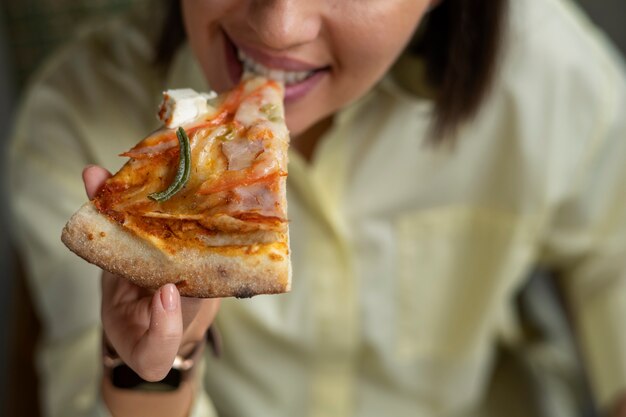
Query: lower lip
(296, 91)
(293, 92)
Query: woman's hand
(148, 328)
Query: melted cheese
(238, 169)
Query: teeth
(287, 77)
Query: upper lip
(273, 61)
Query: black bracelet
(122, 376)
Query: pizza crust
(238, 271)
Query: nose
(284, 24)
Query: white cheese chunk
(184, 105)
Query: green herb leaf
(184, 169)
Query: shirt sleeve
(45, 164)
(587, 243)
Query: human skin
(136, 319)
(148, 329)
(351, 43)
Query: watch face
(124, 377)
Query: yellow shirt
(406, 257)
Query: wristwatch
(122, 376)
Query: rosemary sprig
(184, 169)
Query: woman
(440, 151)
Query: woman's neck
(306, 142)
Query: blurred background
(32, 29)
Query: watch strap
(123, 376)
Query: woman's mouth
(286, 77)
(299, 78)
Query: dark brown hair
(172, 34)
(459, 41)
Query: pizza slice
(201, 202)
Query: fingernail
(88, 167)
(168, 297)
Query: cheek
(194, 13)
(197, 25)
(203, 20)
(363, 50)
(373, 40)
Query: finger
(196, 328)
(94, 177)
(145, 328)
(125, 313)
(190, 307)
(209, 310)
(153, 356)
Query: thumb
(156, 350)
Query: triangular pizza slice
(201, 202)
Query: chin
(297, 125)
(305, 115)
